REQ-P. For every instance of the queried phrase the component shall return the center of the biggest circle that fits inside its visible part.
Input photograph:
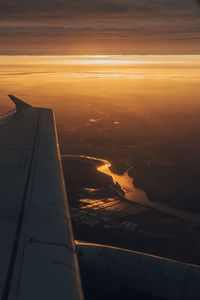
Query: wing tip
(20, 105)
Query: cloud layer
(96, 27)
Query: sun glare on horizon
(192, 60)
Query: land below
(101, 214)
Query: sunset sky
(70, 27)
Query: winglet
(20, 105)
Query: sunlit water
(133, 194)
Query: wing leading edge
(37, 255)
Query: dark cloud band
(166, 24)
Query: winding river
(133, 194)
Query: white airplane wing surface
(37, 250)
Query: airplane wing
(37, 252)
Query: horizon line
(98, 55)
